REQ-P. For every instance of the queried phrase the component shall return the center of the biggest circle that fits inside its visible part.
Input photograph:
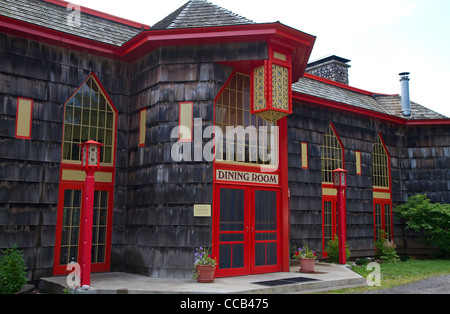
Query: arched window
(382, 193)
(380, 165)
(332, 157)
(88, 115)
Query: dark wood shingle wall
(161, 233)
(30, 169)
(419, 164)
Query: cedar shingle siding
(154, 230)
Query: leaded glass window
(88, 116)
(380, 165)
(255, 141)
(70, 236)
(331, 155)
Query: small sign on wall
(202, 210)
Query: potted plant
(307, 259)
(204, 266)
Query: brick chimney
(332, 67)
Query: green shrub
(430, 219)
(362, 261)
(332, 249)
(13, 271)
(386, 250)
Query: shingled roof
(385, 104)
(54, 16)
(200, 13)
(193, 14)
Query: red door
(247, 237)
(382, 215)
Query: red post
(340, 184)
(86, 236)
(90, 163)
(341, 215)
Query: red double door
(247, 230)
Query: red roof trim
(43, 34)
(344, 107)
(428, 122)
(334, 83)
(366, 112)
(348, 87)
(148, 40)
(101, 14)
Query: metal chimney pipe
(406, 103)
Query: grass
(401, 273)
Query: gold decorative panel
(280, 87)
(271, 116)
(259, 89)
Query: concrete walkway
(326, 277)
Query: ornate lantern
(90, 155)
(272, 87)
(340, 178)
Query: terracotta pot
(205, 273)
(307, 265)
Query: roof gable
(200, 13)
(54, 15)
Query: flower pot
(307, 265)
(205, 273)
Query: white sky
(381, 37)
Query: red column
(86, 236)
(285, 214)
(342, 228)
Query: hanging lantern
(272, 88)
(90, 155)
(340, 178)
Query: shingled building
(69, 74)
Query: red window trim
(384, 201)
(99, 267)
(358, 171)
(333, 199)
(17, 118)
(304, 154)
(79, 185)
(142, 128)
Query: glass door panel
(232, 228)
(70, 232)
(265, 233)
(265, 230)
